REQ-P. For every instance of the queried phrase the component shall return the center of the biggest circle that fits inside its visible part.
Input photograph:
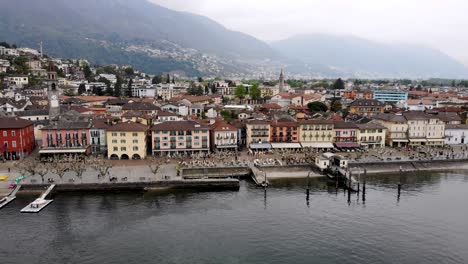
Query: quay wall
(222, 184)
(410, 166)
(219, 172)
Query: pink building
(180, 137)
(66, 138)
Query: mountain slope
(89, 27)
(363, 58)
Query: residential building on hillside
(418, 105)
(16, 138)
(180, 137)
(390, 96)
(224, 136)
(127, 140)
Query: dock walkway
(8, 199)
(258, 176)
(40, 203)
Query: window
(116, 148)
(156, 132)
(123, 141)
(5, 133)
(135, 134)
(135, 141)
(114, 141)
(5, 144)
(135, 148)
(122, 134)
(165, 144)
(123, 149)
(114, 134)
(13, 144)
(197, 137)
(13, 133)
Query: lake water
(427, 224)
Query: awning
(435, 140)
(347, 145)
(286, 145)
(418, 140)
(399, 140)
(260, 146)
(319, 145)
(225, 146)
(61, 151)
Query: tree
(336, 106)
(81, 89)
(213, 88)
(118, 87)
(338, 85)
(255, 92)
(102, 166)
(87, 72)
(173, 79)
(154, 165)
(157, 79)
(317, 107)
(59, 167)
(200, 79)
(240, 92)
(168, 78)
(78, 167)
(129, 71)
(129, 88)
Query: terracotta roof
(448, 116)
(139, 106)
(273, 106)
(370, 126)
(89, 98)
(179, 125)
(100, 123)
(223, 126)
(419, 102)
(316, 122)
(345, 125)
(14, 122)
(128, 126)
(165, 113)
(390, 118)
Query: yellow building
(397, 129)
(366, 107)
(371, 135)
(316, 134)
(127, 140)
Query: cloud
(435, 23)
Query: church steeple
(281, 82)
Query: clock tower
(53, 94)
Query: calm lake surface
(429, 224)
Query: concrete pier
(8, 199)
(40, 203)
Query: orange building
(284, 130)
(351, 94)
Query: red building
(16, 138)
(284, 130)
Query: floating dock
(40, 203)
(12, 196)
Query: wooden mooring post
(308, 186)
(364, 186)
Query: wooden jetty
(40, 203)
(8, 199)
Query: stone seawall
(220, 172)
(391, 167)
(222, 184)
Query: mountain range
(156, 40)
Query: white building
(110, 77)
(18, 80)
(456, 134)
(144, 91)
(8, 52)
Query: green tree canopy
(339, 84)
(118, 87)
(255, 92)
(81, 89)
(240, 92)
(129, 88)
(336, 106)
(129, 71)
(157, 79)
(317, 106)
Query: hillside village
(53, 106)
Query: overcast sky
(440, 24)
